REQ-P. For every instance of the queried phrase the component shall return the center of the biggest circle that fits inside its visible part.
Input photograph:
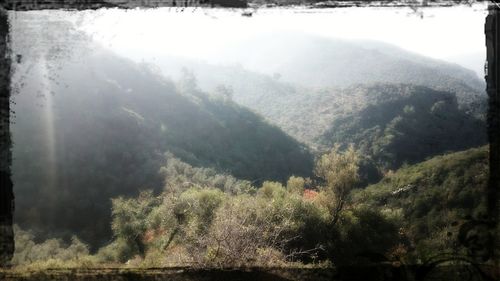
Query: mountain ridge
(88, 142)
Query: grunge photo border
(485, 249)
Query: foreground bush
(51, 253)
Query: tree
(339, 170)
(296, 185)
(130, 219)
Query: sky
(455, 34)
(441, 33)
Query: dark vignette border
(468, 234)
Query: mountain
(391, 124)
(432, 200)
(97, 126)
(322, 91)
(266, 69)
(397, 124)
(319, 61)
(315, 61)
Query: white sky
(445, 33)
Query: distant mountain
(322, 91)
(264, 68)
(318, 62)
(97, 127)
(393, 123)
(103, 123)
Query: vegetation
(391, 122)
(85, 144)
(405, 124)
(203, 219)
(155, 172)
(340, 172)
(298, 89)
(431, 200)
(51, 253)
(206, 224)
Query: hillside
(96, 127)
(318, 62)
(432, 198)
(397, 124)
(308, 86)
(391, 123)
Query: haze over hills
(309, 85)
(175, 162)
(312, 62)
(100, 125)
(96, 128)
(474, 61)
(242, 161)
(318, 62)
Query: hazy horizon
(207, 34)
(290, 138)
(453, 34)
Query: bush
(363, 235)
(49, 253)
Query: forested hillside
(260, 71)
(397, 124)
(292, 150)
(321, 62)
(396, 106)
(98, 127)
(432, 200)
(111, 134)
(204, 219)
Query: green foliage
(272, 190)
(87, 143)
(215, 226)
(51, 252)
(408, 216)
(130, 218)
(363, 235)
(339, 170)
(198, 206)
(117, 251)
(107, 140)
(405, 124)
(204, 226)
(432, 199)
(390, 122)
(178, 176)
(296, 184)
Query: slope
(433, 199)
(397, 124)
(97, 126)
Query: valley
(333, 153)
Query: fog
(452, 33)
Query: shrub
(49, 253)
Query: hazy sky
(455, 34)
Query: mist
(155, 132)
